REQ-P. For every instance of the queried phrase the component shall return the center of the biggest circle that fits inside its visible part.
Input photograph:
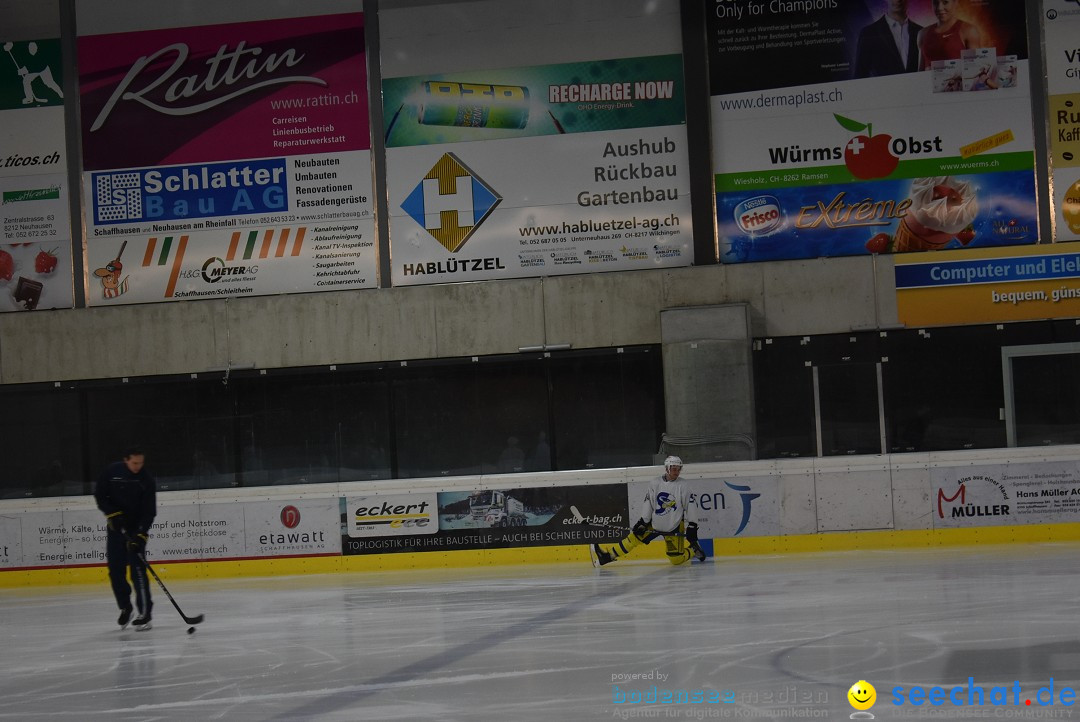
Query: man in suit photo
(888, 46)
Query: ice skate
(599, 556)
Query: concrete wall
(469, 319)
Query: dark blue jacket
(118, 489)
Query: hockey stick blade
(190, 620)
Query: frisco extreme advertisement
(227, 159)
(502, 170)
(910, 128)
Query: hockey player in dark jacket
(127, 495)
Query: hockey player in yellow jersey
(668, 510)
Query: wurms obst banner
(840, 144)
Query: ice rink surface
(783, 637)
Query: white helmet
(672, 461)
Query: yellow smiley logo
(862, 695)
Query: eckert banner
(1061, 28)
(35, 258)
(227, 160)
(535, 171)
(847, 139)
(484, 519)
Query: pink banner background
(331, 48)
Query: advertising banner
(988, 285)
(870, 149)
(1061, 27)
(742, 507)
(227, 160)
(483, 519)
(575, 166)
(997, 495)
(35, 253)
(180, 533)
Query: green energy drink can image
(474, 105)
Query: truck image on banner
(496, 508)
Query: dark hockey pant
(120, 560)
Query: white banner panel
(1006, 494)
(611, 201)
(35, 235)
(567, 155)
(189, 532)
(727, 508)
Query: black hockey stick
(582, 520)
(189, 620)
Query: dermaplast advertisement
(35, 251)
(228, 159)
(916, 140)
(575, 162)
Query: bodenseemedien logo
(451, 202)
(862, 697)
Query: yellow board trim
(827, 542)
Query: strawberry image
(966, 235)
(879, 243)
(45, 261)
(7, 266)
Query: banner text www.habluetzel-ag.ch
(591, 226)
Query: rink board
(654, 553)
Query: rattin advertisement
(577, 165)
(919, 140)
(35, 251)
(226, 160)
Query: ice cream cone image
(940, 208)
(913, 236)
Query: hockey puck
(191, 630)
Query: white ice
(787, 635)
